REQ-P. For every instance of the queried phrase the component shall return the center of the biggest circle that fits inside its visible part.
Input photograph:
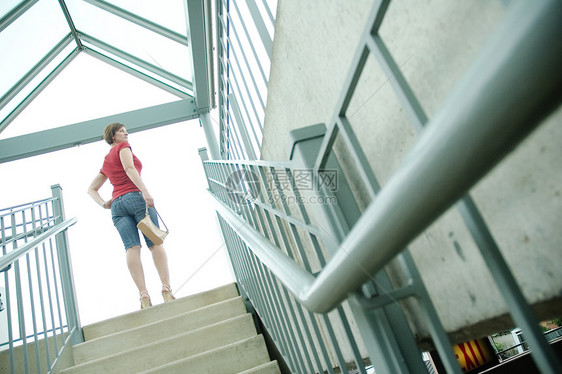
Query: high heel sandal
(167, 293)
(145, 300)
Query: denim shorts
(127, 211)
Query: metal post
(212, 145)
(389, 341)
(204, 157)
(67, 280)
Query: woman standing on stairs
(128, 206)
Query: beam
(212, 145)
(91, 131)
(38, 89)
(31, 74)
(137, 61)
(15, 13)
(70, 22)
(200, 54)
(138, 74)
(143, 22)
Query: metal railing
(244, 46)
(292, 264)
(40, 317)
(253, 213)
(521, 348)
(271, 215)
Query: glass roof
(169, 13)
(41, 37)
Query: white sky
(172, 171)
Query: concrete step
(159, 312)
(271, 367)
(229, 359)
(171, 349)
(161, 329)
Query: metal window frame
(40, 87)
(138, 20)
(48, 58)
(184, 86)
(158, 71)
(15, 13)
(90, 131)
(73, 30)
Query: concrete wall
(433, 42)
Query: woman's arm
(93, 191)
(126, 157)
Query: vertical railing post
(204, 157)
(390, 344)
(212, 144)
(67, 280)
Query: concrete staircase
(210, 332)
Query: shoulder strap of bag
(159, 216)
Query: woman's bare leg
(135, 268)
(161, 262)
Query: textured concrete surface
(210, 332)
(433, 42)
(232, 358)
(148, 354)
(159, 312)
(161, 328)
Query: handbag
(151, 231)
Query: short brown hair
(110, 131)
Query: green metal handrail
(9, 258)
(40, 302)
(436, 174)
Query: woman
(128, 206)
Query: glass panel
(168, 13)
(29, 88)
(86, 89)
(131, 38)
(28, 40)
(170, 83)
(7, 5)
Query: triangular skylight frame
(155, 75)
